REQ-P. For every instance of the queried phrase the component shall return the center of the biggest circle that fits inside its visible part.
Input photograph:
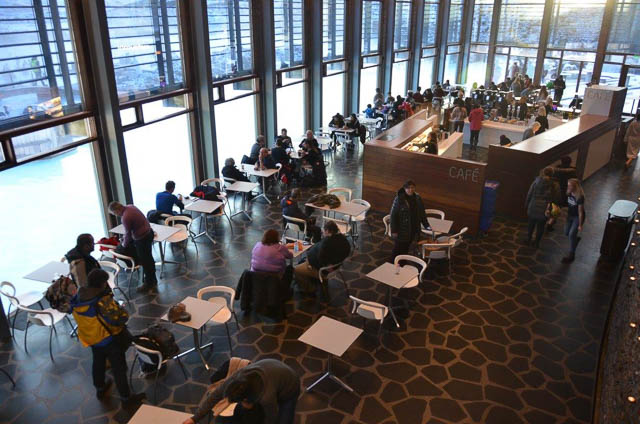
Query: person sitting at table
(390, 99)
(310, 139)
(542, 118)
(417, 96)
(230, 171)
(265, 161)
(523, 109)
(369, 112)
(269, 255)
(531, 131)
(269, 383)
(548, 105)
(81, 263)
(165, 200)
(316, 160)
(432, 143)
(407, 213)
(290, 208)
(337, 121)
(255, 151)
(279, 153)
(331, 250)
(284, 138)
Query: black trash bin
(618, 229)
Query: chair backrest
(415, 260)
(36, 316)
(228, 293)
(229, 181)
(387, 225)
(8, 290)
(460, 233)
(213, 182)
(110, 267)
(374, 305)
(345, 190)
(436, 212)
(183, 222)
(124, 261)
(294, 221)
(146, 355)
(363, 203)
(326, 271)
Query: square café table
(244, 188)
(203, 207)
(147, 414)
(439, 226)
(161, 233)
(334, 337)
(201, 312)
(386, 274)
(349, 209)
(47, 273)
(262, 174)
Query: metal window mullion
(157, 38)
(239, 58)
(167, 42)
(46, 50)
(544, 39)
(603, 40)
(62, 54)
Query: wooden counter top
(403, 132)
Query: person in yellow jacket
(102, 327)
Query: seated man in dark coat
(230, 171)
(290, 208)
(81, 263)
(284, 138)
(279, 154)
(332, 249)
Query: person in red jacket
(475, 124)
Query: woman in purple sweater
(269, 255)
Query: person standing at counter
(428, 99)
(575, 216)
(432, 143)
(475, 125)
(523, 109)
(542, 118)
(407, 213)
(558, 88)
(632, 138)
(543, 192)
(458, 115)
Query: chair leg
(50, 338)
(226, 325)
(130, 280)
(26, 329)
(40, 303)
(124, 294)
(9, 377)
(133, 365)
(155, 387)
(13, 326)
(236, 318)
(184, 372)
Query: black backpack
(160, 339)
(205, 192)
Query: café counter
(588, 140)
(444, 182)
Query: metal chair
(182, 236)
(43, 318)
(113, 270)
(433, 212)
(224, 315)
(147, 356)
(9, 377)
(387, 225)
(343, 198)
(362, 217)
(291, 223)
(324, 275)
(126, 263)
(415, 261)
(438, 251)
(370, 310)
(8, 290)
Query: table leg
(264, 191)
(393, 315)
(329, 374)
(196, 345)
(244, 208)
(203, 217)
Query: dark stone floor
(511, 336)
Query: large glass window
(46, 226)
(455, 21)
(290, 109)
(288, 26)
(477, 64)
(430, 23)
(371, 19)
(426, 72)
(499, 68)
(333, 29)
(368, 85)
(576, 24)
(235, 140)
(520, 22)
(624, 36)
(451, 67)
(157, 153)
(38, 68)
(399, 79)
(47, 140)
(575, 67)
(482, 16)
(332, 97)
(402, 25)
(229, 38)
(145, 45)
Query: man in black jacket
(230, 171)
(284, 138)
(279, 154)
(332, 249)
(290, 208)
(255, 151)
(407, 213)
(81, 263)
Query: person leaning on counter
(432, 143)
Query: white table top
(46, 273)
(201, 312)
(330, 335)
(152, 414)
(305, 247)
(332, 129)
(204, 206)
(242, 186)
(258, 173)
(295, 154)
(345, 208)
(162, 232)
(386, 274)
(439, 225)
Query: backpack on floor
(163, 339)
